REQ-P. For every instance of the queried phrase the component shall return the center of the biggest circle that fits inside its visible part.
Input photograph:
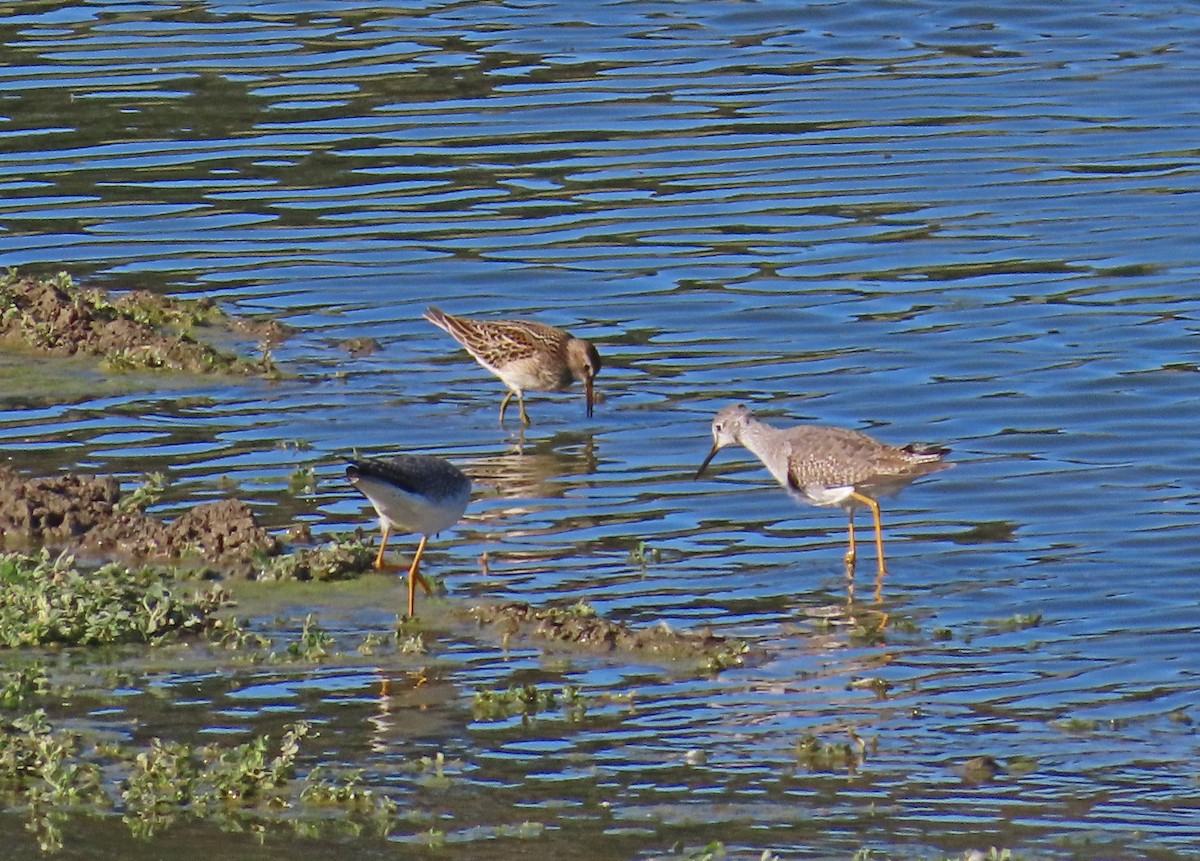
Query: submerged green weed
(17, 686)
(528, 701)
(342, 558)
(363, 808)
(817, 755)
(41, 770)
(45, 599)
(51, 775)
(171, 779)
(313, 644)
(644, 554)
(1016, 622)
(303, 480)
(145, 494)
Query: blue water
(959, 224)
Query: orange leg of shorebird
(387, 533)
(414, 574)
(851, 557)
(874, 506)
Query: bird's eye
(718, 427)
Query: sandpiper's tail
(437, 317)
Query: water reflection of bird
(828, 466)
(412, 493)
(547, 469)
(524, 355)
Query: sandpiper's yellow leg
(504, 405)
(524, 415)
(387, 532)
(414, 575)
(851, 557)
(874, 506)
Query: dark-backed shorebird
(412, 493)
(828, 466)
(525, 355)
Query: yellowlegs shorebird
(828, 466)
(524, 355)
(411, 493)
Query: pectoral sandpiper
(524, 355)
(412, 493)
(828, 466)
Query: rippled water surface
(966, 224)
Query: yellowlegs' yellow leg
(387, 532)
(874, 506)
(414, 574)
(851, 558)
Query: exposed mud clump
(87, 514)
(130, 331)
(55, 509)
(579, 624)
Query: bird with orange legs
(828, 466)
(412, 493)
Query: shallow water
(968, 225)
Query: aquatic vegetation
(313, 643)
(414, 644)
(42, 771)
(993, 854)
(170, 778)
(47, 599)
(234, 635)
(713, 851)
(1016, 622)
(361, 808)
(52, 774)
(817, 755)
(144, 495)
(18, 686)
(303, 480)
(1077, 726)
(528, 701)
(644, 554)
(341, 558)
(434, 838)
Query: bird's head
(584, 362)
(727, 428)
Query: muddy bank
(87, 514)
(128, 331)
(579, 625)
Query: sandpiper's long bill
(525, 355)
(829, 466)
(412, 493)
